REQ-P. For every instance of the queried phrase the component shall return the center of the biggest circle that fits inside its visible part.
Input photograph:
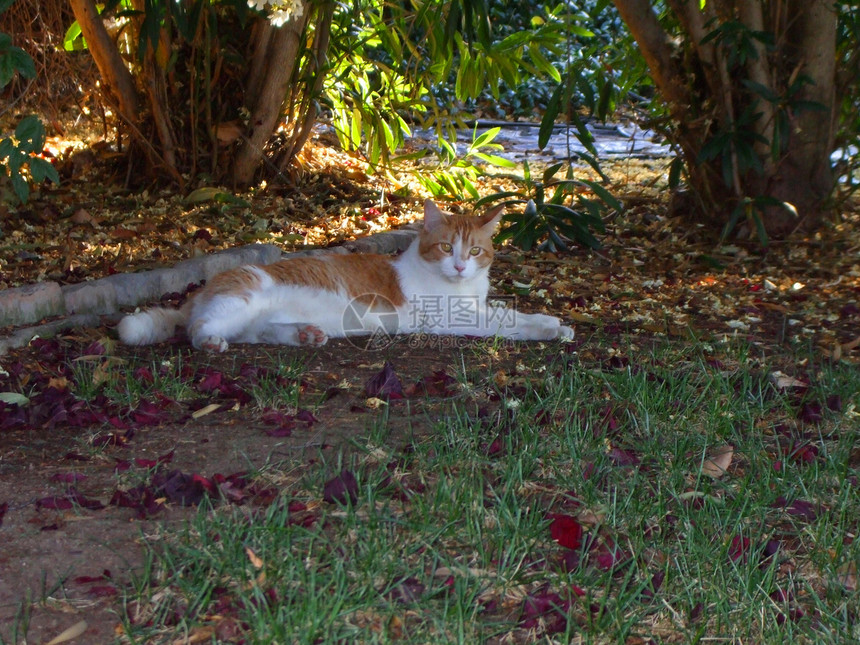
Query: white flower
(282, 10)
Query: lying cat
(438, 285)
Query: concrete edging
(81, 305)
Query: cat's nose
(460, 267)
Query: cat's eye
(445, 247)
(475, 250)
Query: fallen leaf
(69, 634)
(202, 412)
(255, 560)
(341, 489)
(783, 381)
(385, 384)
(718, 461)
(847, 576)
(566, 531)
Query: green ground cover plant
(674, 491)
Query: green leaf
(495, 160)
(21, 187)
(675, 169)
(40, 170)
(485, 138)
(547, 123)
(74, 40)
(551, 171)
(14, 398)
(30, 134)
(605, 195)
(22, 62)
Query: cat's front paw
(565, 332)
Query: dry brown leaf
(255, 560)
(718, 461)
(198, 635)
(847, 576)
(228, 132)
(202, 412)
(784, 381)
(70, 633)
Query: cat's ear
(433, 216)
(489, 219)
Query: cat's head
(461, 246)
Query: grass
(449, 539)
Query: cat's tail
(151, 326)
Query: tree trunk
(770, 139)
(114, 73)
(270, 92)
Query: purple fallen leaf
(810, 412)
(798, 508)
(181, 488)
(546, 608)
(739, 548)
(342, 488)
(3, 508)
(68, 478)
(54, 503)
(306, 416)
(385, 384)
(608, 555)
(834, 403)
(621, 457)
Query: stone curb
(81, 305)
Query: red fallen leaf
(102, 591)
(739, 548)
(95, 348)
(152, 463)
(54, 503)
(546, 608)
(810, 412)
(211, 381)
(3, 508)
(150, 414)
(296, 506)
(566, 531)
(110, 439)
(84, 580)
(621, 457)
(50, 527)
(68, 478)
(588, 470)
(306, 416)
(834, 403)
(73, 456)
(385, 384)
(656, 582)
(183, 489)
(806, 453)
(696, 611)
(281, 431)
(143, 375)
(341, 488)
(122, 465)
(607, 555)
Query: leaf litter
(653, 282)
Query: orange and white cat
(439, 285)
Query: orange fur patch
(359, 276)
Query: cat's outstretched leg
(304, 334)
